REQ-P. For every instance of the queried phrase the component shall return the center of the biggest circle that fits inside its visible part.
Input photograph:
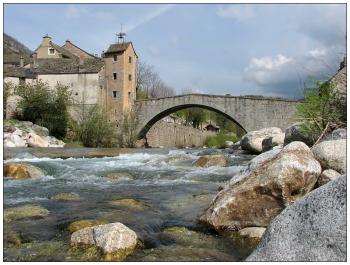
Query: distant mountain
(13, 50)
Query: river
(169, 189)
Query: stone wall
(175, 135)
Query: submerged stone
(119, 175)
(129, 203)
(23, 212)
(66, 196)
(211, 160)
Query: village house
(109, 80)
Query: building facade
(108, 81)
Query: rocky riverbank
(26, 134)
(278, 181)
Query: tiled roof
(118, 47)
(67, 66)
(11, 71)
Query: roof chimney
(35, 60)
(21, 61)
(67, 42)
(46, 40)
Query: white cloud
(283, 75)
(239, 12)
(268, 69)
(148, 17)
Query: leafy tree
(322, 110)
(94, 129)
(45, 106)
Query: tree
(45, 106)
(149, 84)
(322, 110)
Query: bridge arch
(148, 124)
(250, 113)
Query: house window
(129, 96)
(129, 77)
(129, 59)
(115, 57)
(115, 76)
(114, 94)
(51, 51)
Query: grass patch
(219, 140)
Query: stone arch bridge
(249, 112)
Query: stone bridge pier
(250, 113)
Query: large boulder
(331, 154)
(22, 171)
(272, 141)
(115, 239)
(78, 225)
(17, 140)
(39, 130)
(312, 229)
(261, 192)
(35, 140)
(295, 132)
(252, 141)
(211, 160)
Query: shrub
(45, 106)
(127, 129)
(322, 111)
(94, 129)
(219, 140)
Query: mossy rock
(38, 251)
(85, 253)
(179, 253)
(77, 225)
(12, 238)
(129, 203)
(243, 244)
(189, 238)
(23, 212)
(119, 175)
(66, 196)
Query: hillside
(13, 50)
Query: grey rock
(295, 133)
(327, 176)
(331, 154)
(42, 131)
(336, 135)
(252, 141)
(312, 229)
(272, 141)
(113, 238)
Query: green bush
(323, 110)
(127, 129)
(219, 140)
(45, 106)
(94, 129)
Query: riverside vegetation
(272, 187)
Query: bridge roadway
(249, 112)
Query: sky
(237, 49)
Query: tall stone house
(108, 81)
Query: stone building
(109, 80)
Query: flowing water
(169, 191)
